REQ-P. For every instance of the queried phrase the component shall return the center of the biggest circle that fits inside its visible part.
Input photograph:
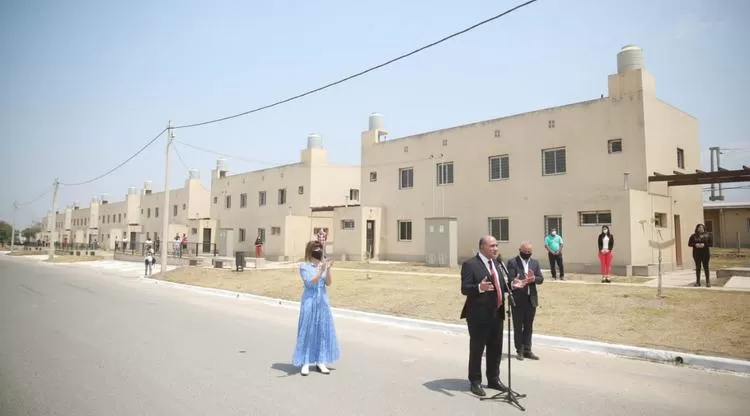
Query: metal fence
(182, 250)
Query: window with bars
(499, 167)
(404, 230)
(554, 161)
(282, 199)
(595, 217)
(552, 222)
(261, 199)
(499, 227)
(243, 201)
(405, 178)
(445, 173)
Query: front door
(131, 241)
(678, 241)
(206, 240)
(370, 239)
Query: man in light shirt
(553, 243)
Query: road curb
(649, 354)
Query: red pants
(258, 251)
(605, 263)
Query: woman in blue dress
(316, 335)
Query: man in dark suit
(483, 285)
(524, 274)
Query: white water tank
(629, 58)
(376, 122)
(147, 186)
(314, 141)
(221, 164)
(194, 174)
(132, 190)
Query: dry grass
(398, 267)
(726, 257)
(700, 321)
(591, 278)
(75, 259)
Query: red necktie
(497, 284)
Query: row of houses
(429, 197)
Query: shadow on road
(448, 386)
(286, 368)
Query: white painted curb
(649, 354)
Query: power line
(35, 199)
(177, 152)
(120, 165)
(228, 156)
(358, 74)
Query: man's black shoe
(497, 385)
(530, 355)
(477, 389)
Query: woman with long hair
(316, 335)
(700, 241)
(605, 241)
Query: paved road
(80, 342)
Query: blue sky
(86, 83)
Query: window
(261, 198)
(216, 200)
(301, 190)
(373, 176)
(404, 230)
(680, 158)
(262, 234)
(243, 200)
(119, 218)
(148, 213)
(595, 217)
(552, 222)
(614, 146)
(275, 230)
(242, 235)
(406, 149)
(282, 199)
(174, 210)
(354, 194)
(660, 219)
(445, 142)
(747, 226)
(499, 228)
(228, 201)
(347, 224)
(553, 161)
(710, 225)
(184, 207)
(551, 124)
(498, 133)
(406, 178)
(445, 173)
(156, 213)
(316, 229)
(499, 167)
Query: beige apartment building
(136, 218)
(728, 222)
(577, 167)
(284, 204)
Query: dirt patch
(699, 321)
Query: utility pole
(51, 251)
(165, 214)
(13, 229)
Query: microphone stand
(510, 396)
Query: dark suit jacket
(528, 293)
(480, 306)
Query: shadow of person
(448, 386)
(286, 368)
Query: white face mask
(554, 233)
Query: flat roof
(726, 205)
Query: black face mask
(524, 256)
(317, 255)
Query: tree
(5, 232)
(30, 233)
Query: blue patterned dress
(316, 335)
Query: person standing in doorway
(701, 242)
(524, 274)
(605, 242)
(258, 245)
(553, 243)
(322, 237)
(483, 284)
(316, 334)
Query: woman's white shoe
(323, 369)
(305, 369)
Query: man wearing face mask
(553, 243)
(524, 274)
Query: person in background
(553, 243)
(605, 241)
(322, 237)
(149, 262)
(258, 245)
(316, 335)
(524, 274)
(176, 243)
(701, 242)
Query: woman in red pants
(606, 242)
